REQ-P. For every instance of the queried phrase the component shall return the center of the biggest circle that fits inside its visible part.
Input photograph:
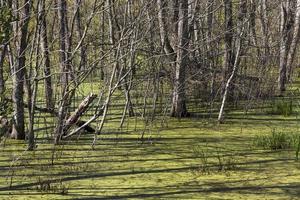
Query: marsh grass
(179, 159)
(281, 107)
(214, 160)
(49, 186)
(279, 140)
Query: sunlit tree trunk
(237, 57)
(79, 30)
(179, 99)
(229, 50)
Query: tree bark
(64, 67)
(83, 106)
(169, 51)
(294, 42)
(83, 57)
(286, 24)
(3, 51)
(229, 50)
(18, 131)
(239, 44)
(179, 100)
(45, 53)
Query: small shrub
(274, 141)
(224, 163)
(51, 186)
(278, 140)
(282, 107)
(203, 155)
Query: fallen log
(74, 118)
(54, 113)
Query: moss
(163, 166)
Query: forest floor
(193, 158)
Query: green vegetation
(186, 159)
(282, 107)
(277, 140)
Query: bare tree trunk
(239, 43)
(228, 39)
(180, 59)
(32, 81)
(210, 47)
(294, 42)
(82, 58)
(286, 24)
(3, 45)
(264, 29)
(83, 106)
(163, 30)
(3, 51)
(45, 53)
(64, 67)
(18, 131)
(179, 100)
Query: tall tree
(5, 29)
(294, 41)
(286, 25)
(64, 66)
(179, 97)
(180, 57)
(3, 50)
(79, 31)
(240, 30)
(45, 51)
(21, 28)
(229, 44)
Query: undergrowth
(279, 140)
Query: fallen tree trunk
(74, 118)
(70, 121)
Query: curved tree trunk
(229, 54)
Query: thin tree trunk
(294, 42)
(3, 49)
(2, 57)
(210, 48)
(64, 67)
(18, 131)
(82, 58)
(45, 53)
(228, 39)
(163, 30)
(239, 43)
(286, 24)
